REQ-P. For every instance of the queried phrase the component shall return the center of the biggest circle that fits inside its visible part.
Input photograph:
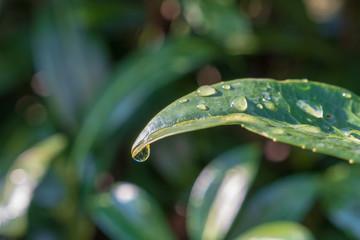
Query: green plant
(78, 79)
(312, 115)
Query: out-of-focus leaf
(219, 191)
(136, 78)
(341, 198)
(72, 63)
(289, 199)
(312, 115)
(213, 18)
(15, 62)
(278, 231)
(20, 182)
(128, 212)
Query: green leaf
(21, 181)
(212, 18)
(136, 78)
(310, 115)
(279, 231)
(73, 64)
(128, 212)
(289, 198)
(341, 198)
(219, 191)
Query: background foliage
(80, 79)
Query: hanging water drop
(313, 109)
(259, 106)
(202, 107)
(206, 91)
(346, 95)
(183, 100)
(226, 87)
(143, 155)
(239, 104)
(351, 161)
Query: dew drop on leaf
(270, 105)
(226, 87)
(313, 109)
(143, 155)
(260, 106)
(266, 95)
(183, 100)
(239, 104)
(205, 91)
(202, 107)
(346, 95)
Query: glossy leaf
(310, 115)
(341, 198)
(278, 231)
(288, 199)
(219, 192)
(128, 212)
(21, 181)
(137, 77)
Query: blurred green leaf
(128, 212)
(278, 231)
(219, 191)
(289, 198)
(311, 115)
(72, 63)
(209, 17)
(135, 79)
(341, 198)
(21, 181)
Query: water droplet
(270, 105)
(351, 161)
(260, 106)
(183, 100)
(313, 109)
(226, 87)
(306, 128)
(206, 91)
(274, 140)
(346, 95)
(303, 146)
(313, 150)
(278, 131)
(305, 80)
(143, 155)
(239, 104)
(202, 107)
(266, 95)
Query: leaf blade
(310, 115)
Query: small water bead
(313, 109)
(346, 95)
(183, 100)
(202, 107)
(206, 91)
(351, 161)
(278, 131)
(259, 106)
(239, 104)
(226, 87)
(143, 155)
(266, 95)
(313, 150)
(303, 146)
(270, 105)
